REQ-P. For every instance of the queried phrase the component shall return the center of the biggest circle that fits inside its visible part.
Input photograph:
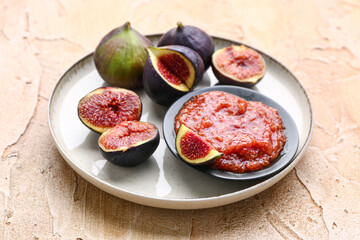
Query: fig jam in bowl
(221, 103)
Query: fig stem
(180, 25)
(127, 25)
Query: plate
(279, 163)
(164, 181)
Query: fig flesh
(191, 37)
(193, 149)
(129, 143)
(170, 72)
(104, 108)
(238, 65)
(120, 57)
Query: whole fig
(191, 37)
(120, 57)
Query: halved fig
(129, 143)
(191, 37)
(193, 57)
(238, 65)
(104, 108)
(193, 149)
(170, 72)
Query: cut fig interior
(193, 149)
(106, 107)
(126, 135)
(238, 65)
(129, 143)
(173, 67)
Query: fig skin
(191, 37)
(120, 57)
(103, 109)
(160, 90)
(198, 142)
(227, 79)
(132, 155)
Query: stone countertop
(41, 197)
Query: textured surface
(42, 198)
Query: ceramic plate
(285, 156)
(164, 181)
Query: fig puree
(249, 134)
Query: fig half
(170, 72)
(120, 57)
(129, 143)
(191, 37)
(104, 108)
(193, 149)
(238, 65)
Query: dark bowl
(285, 156)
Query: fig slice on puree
(105, 107)
(238, 65)
(129, 143)
(193, 149)
(170, 72)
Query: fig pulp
(193, 149)
(120, 57)
(104, 108)
(129, 143)
(191, 37)
(170, 72)
(238, 65)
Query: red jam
(173, 68)
(127, 134)
(249, 134)
(242, 64)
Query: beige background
(42, 198)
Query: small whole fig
(193, 149)
(120, 57)
(191, 37)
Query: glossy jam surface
(242, 64)
(107, 108)
(173, 68)
(249, 134)
(127, 134)
(190, 145)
